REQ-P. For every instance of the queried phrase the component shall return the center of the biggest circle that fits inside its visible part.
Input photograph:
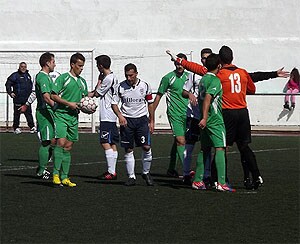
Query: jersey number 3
(235, 81)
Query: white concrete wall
(264, 34)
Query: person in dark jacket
(18, 87)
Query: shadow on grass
(86, 177)
(21, 176)
(105, 182)
(40, 183)
(23, 160)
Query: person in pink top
(292, 87)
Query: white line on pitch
(24, 167)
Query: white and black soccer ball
(88, 105)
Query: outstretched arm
(260, 76)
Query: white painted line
(25, 167)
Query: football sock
(110, 160)
(220, 165)
(213, 170)
(245, 167)
(65, 166)
(115, 159)
(146, 161)
(199, 168)
(58, 157)
(250, 159)
(187, 160)
(51, 149)
(130, 162)
(173, 157)
(43, 158)
(207, 163)
(180, 153)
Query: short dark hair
(45, 57)
(103, 60)
(129, 67)
(212, 62)
(75, 57)
(206, 50)
(226, 55)
(182, 55)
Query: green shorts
(45, 124)
(214, 136)
(66, 126)
(178, 125)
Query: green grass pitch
(32, 211)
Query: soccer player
(192, 135)
(44, 112)
(67, 91)
(236, 83)
(108, 131)
(172, 84)
(53, 75)
(255, 76)
(212, 124)
(136, 100)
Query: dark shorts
(108, 132)
(237, 124)
(192, 133)
(136, 131)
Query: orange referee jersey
(236, 83)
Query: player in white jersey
(108, 131)
(190, 90)
(136, 118)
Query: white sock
(146, 161)
(115, 159)
(130, 162)
(187, 160)
(111, 166)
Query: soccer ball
(88, 105)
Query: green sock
(173, 157)
(199, 168)
(65, 166)
(220, 165)
(58, 157)
(43, 158)
(180, 153)
(51, 151)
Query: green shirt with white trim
(71, 89)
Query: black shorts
(108, 132)
(192, 133)
(237, 124)
(137, 131)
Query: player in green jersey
(172, 84)
(212, 124)
(67, 91)
(44, 113)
